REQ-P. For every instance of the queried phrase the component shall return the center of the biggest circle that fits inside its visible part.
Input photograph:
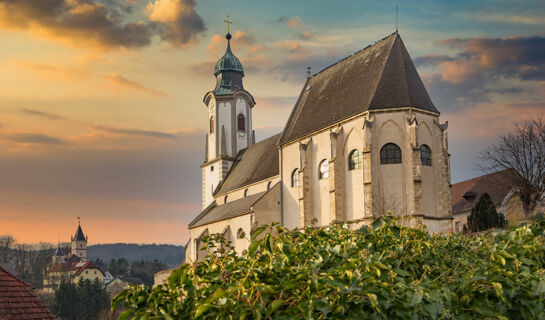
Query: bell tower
(229, 109)
(79, 243)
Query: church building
(72, 266)
(364, 139)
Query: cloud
(136, 132)
(47, 115)
(431, 59)
(306, 35)
(33, 138)
(118, 80)
(484, 69)
(218, 43)
(103, 25)
(177, 21)
(294, 22)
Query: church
(71, 266)
(364, 139)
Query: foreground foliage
(380, 272)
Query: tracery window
(324, 169)
(425, 155)
(212, 124)
(295, 178)
(390, 153)
(354, 160)
(241, 122)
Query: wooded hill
(171, 255)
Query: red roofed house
(72, 267)
(18, 301)
(465, 195)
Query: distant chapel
(364, 138)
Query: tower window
(324, 169)
(212, 124)
(212, 168)
(241, 122)
(390, 154)
(354, 160)
(295, 178)
(425, 155)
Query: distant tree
(82, 301)
(6, 248)
(522, 153)
(101, 264)
(146, 270)
(118, 267)
(485, 216)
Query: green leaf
(202, 309)
(258, 231)
(125, 315)
(253, 247)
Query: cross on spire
(228, 23)
(79, 221)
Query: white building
(363, 138)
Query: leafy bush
(380, 272)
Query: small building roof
(380, 76)
(227, 210)
(77, 267)
(253, 164)
(465, 194)
(18, 301)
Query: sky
(101, 112)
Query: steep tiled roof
(77, 267)
(495, 184)
(380, 76)
(18, 301)
(228, 210)
(255, 163)
(79, 234)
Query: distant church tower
(230, 122)
(79, 244)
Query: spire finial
(308, 72)
(396, 18)
(79, 221)
(228, 23)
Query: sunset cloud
(241, 40)
(136, 132)
(47, 115)
(103, 25)
(33, 138)
(292, 22)
(119, 81)
(177, 21)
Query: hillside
(170, 254)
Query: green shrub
(380, 272)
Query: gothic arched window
(225, 199)
(354, 160)
(241, 122)
(390, 153)
(212, 124)
(425, 155)
(324, 169)
(295, 178)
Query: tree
(485, 216)
(521, 153)
(6, 248)
(118, 267)
(81, 301)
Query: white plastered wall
(235, 224)
(252, 189)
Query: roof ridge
(353, 54)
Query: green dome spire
(228, 72)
